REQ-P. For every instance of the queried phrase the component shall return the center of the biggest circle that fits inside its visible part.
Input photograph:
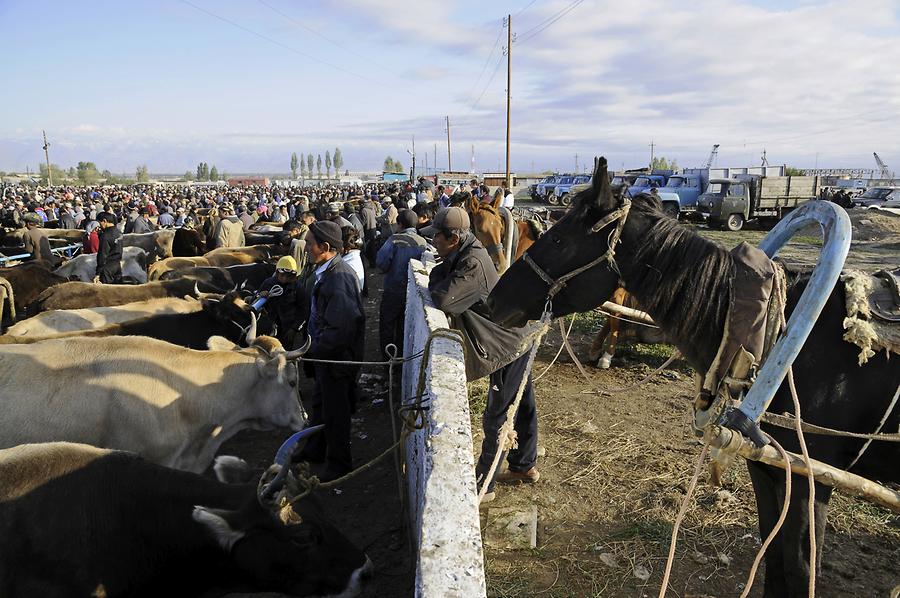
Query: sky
(242, 84)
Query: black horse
(683, 281)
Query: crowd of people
(328, 235)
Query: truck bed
(787, 191)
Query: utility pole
(652, 147)
(413, 177)
(47, 155)
(426, 162)
(508, 88)
(449, 167)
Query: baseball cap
(447, 218)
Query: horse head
(581, 243)
(488, 226)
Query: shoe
(518, 477)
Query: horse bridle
(558, 284)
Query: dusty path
(366, 508)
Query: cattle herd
(117, 398)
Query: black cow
(188, 243)
(225, 277)
(81, 521)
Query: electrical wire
(274, 41)
(486, 62)
(547, 23)
(316, 33)
(491, 80)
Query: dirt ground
(367, 508)
(616, 469)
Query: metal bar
(836, 232)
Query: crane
(712, 155)
(885, 173)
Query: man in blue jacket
(393, 259)
(337, 328)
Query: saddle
(873, 311)
(884, 302)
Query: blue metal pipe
(836, 232)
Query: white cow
(69, 320)
(173, 406)
(157, 243)
(84, 267)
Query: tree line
(305, 165)
(87, 173)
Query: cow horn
(298, 353)
(283, 457)
(251, 330)
(196, 289)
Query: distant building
(248, 181)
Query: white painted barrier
(440, 466)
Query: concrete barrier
(440, 466)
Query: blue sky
(243, 84)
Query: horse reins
(558, 284)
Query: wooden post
(449, 168)
(508, 86)
(47, 155)
(732, 442)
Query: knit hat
(326, 231)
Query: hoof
(605, 361)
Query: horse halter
(558, 284)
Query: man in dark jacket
(336, 326)
(462, 282)
(393, 259)
(109, 256)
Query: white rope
(887, 414)
(565, 334)
(811, 481)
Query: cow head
(281, 541)
(299, 555)
(276, 391)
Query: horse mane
(681, 278)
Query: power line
(526, 7)
(491, 80)
(313, 31)
(274, 41)
(544, 25)
(486, 62)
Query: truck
(730, 203)
(643, 183)
(682, 190)
(562, 193)
(541, 190)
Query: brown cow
(29, 280)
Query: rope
(811, 481)
(681, 512)
(777, 528)
(878, 430)
(565, 333)
(787, 421)
(506, 429)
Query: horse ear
(495, 203)
(602, 193)
(473, 205)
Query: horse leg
(787, 560)
(597, 345)
(612, 339)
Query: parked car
(876, 196)
(891, 205)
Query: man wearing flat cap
(36, 242)
(336, 327)
(459, 286)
